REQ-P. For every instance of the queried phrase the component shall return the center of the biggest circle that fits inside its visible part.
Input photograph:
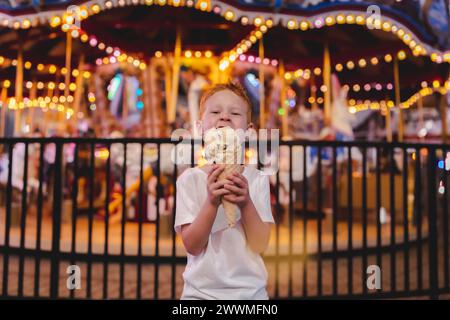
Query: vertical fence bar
(158, 195)
(56, 233)
(335, 212)
(74, 210)
(140, 214)
(291, 220)
(319, 222)
(277, 236)
(378, 206)
(305, 222)
(432, 220)
(23, 220)
(364, 219)
(445, 205)
(7, 222)
(90, 220)
(392, 209)
(418, 216)
(174, 247)
(106, 249)
(350, 221)
(37, 270)
(405, 220)
(124, 217)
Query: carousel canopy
(426, 19)
(297, 32)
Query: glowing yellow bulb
(317, 71)
(388, 58)
(402, 55)
(339, 67)
(95, 8)
(229, 15)
(350, 65)
(84, 38)
(55, 21)
(52, 69)
(208, 54)
(360, 20)
(258, 21)
(188, 54)
(72, 86)
(362, 63)
(6, 84)
(304, 25)
(340, 19)
(330, 21)
(298, 73)
(436, 84)
(350, 19)
(292, 24)
(27, 65)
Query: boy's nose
(224, 116)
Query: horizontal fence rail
(353, 219)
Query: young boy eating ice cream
(223, 211)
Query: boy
(224, 263)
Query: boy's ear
(250, 125)
(198, 128)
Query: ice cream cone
(223, 146)
(229, 207)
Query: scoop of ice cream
(223, 146)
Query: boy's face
(225, 109)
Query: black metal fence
(107, 206)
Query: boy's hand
(239, 190)
(216, 188)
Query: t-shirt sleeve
(262, 199)
(187, 206)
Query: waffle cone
(229, 207)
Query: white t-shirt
(227, 269)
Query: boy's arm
(195, 235)
(256, 230)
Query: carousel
(343, 71)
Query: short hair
(236, 88)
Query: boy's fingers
(215, 173)
(220, 184)
(221, 192)
(211, 170)
(233, 198)
(233, 188)
(239, 181)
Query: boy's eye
(236, 114)
(215, 112)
